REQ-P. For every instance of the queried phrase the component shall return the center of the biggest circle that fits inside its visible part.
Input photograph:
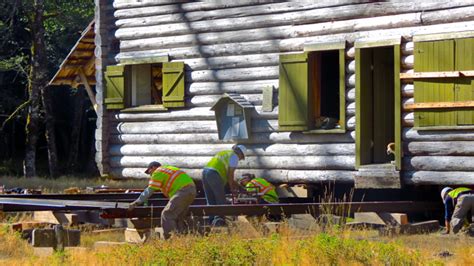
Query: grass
(288, 247)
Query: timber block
(302, 222)
(410, 229)
(47, 238)
(104, 244)
(363, 226)
(297, 191)
(133, 235)
(143, 223)
(377, 176)
(383, 218)
(56, 217)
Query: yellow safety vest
(220, 163)
(169, 180)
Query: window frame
(322, 47)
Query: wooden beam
(440, 105)
(420, 75)
(88, 88)
(467, 73)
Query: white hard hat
(444, 192)
(241, 148)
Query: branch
(18, 109)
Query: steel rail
(341, 208)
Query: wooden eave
(81, 58)
(236, 98)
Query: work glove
(134, 204)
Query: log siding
(235, 47)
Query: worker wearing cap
(218, 172)
(176, 185)
(458, 205)
(264, 189)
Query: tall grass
(333, 248)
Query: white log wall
(234, 46)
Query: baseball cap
(151, 165)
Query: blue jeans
(214, 188)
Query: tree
(35, 36)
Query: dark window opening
(326, 89)
(156, 84)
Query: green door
(375, 104)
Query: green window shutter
(464, 88)
(116, 78)
(173, 84)
(294, 92)
(430, 57)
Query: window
(444, 98)
(312, 91)
(159, 85)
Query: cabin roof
(81, 58)
(236, 98)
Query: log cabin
(383, 72)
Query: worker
(265, 190)
(458, 205)
(176, 185)
(218, 172)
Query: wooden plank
(439, 105)
(464, 87)
(423, 75)
(88, 88)
(397, 107)
(467, 73)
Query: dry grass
(334, 247)
(58, 185)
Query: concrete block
(43, 252)
(302, 222)
(47, 238)
(104, 244)
(383, 218)
(244, 228)
(410, 229)
(133, 235)
(271, 227)
(329, 219)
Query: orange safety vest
(169, 179)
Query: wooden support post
(59, 235)
(88, 88)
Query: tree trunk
(50, 131)
(37, 80)
(76, 130)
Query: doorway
(375, 90)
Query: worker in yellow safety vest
(458, 205)
(176, 185)
(219, 172)
(264, 189)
